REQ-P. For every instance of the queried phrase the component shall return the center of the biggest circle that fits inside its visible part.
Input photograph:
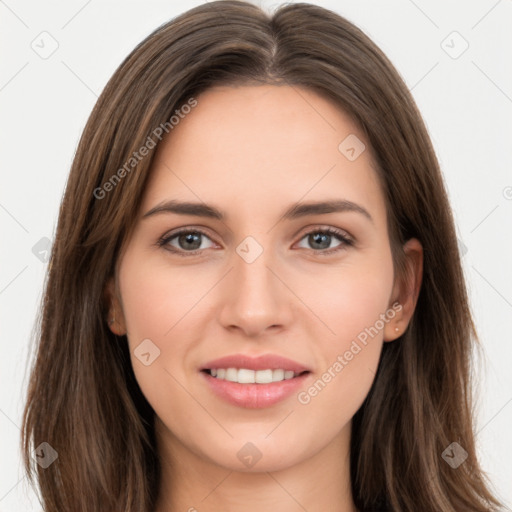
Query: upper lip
(263, 362)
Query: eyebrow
(295, 211)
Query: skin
(252, 152)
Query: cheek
(355, 310)
(357, 306)
(156, 297)
(157, 303)
(349, 299)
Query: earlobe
(115, 318)
(406, 290)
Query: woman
(255, 297)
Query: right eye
(186, 242)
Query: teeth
(245, 376)
(232, 374)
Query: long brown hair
(83, 399)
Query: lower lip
(254, 396)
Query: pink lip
(264, 362)
(254, 396)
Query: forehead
(283, 119)
(263, 143)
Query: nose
(255, 298)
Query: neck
(190, 483)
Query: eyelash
(345, 240)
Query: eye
(188, 241)
(320, 240)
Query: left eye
(321, 239)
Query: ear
(115, 321)
(406, 290)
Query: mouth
(254, 389)
(248, 376)
(254, 382)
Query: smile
(253, 395)
(247, 376)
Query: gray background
(464, 94)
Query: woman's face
(277, 275)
